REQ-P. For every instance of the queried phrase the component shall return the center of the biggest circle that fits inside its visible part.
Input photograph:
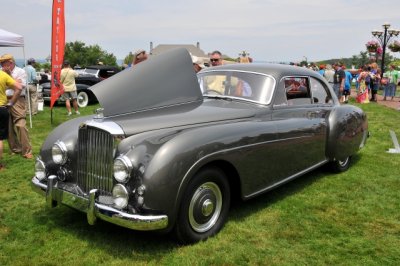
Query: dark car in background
(87, 77)
(171, 150)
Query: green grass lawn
(352, 218)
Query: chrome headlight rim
(123, 175)
(63, 152)
(40, 169)
(120, 196)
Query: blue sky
(284, 30)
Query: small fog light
(40, 169)
(120, 196)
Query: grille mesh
(95, 160)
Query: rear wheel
(83, 99)
(340, 165)
(204, 206)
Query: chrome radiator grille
(95, 160)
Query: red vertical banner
(57, 49)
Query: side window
(319, 92)
(297, 90)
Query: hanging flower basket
(394, 46)
(372, 46)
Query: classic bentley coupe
(170, 149)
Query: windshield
(247, 86)
(90, 71)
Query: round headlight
(59, 152)
(122, 169)
(40, 170)
(120, 196)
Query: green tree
(128, 59)
(77, 53)
(42, 66)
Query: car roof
(103, 67)
(275, 70)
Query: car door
(300, 114)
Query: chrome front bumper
(94, 210)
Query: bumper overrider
(54, 196)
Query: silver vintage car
(170, 149)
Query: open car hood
(163, 80)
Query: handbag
(384, 81)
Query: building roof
(193, 49)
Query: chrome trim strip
(283, 181)
(109, 126)
(94, 210)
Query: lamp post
(384, 38)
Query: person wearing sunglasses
(216, 58)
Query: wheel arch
(226, 167)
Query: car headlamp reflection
(59, 152)
(122, 169)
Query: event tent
(9, 39)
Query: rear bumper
(94, 210)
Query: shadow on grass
(109, 238)
(113, 239)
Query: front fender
(171, 159)
(348, 128)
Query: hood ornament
(99, 114)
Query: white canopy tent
(9, 39)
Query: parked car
(170, 150)
(87, 77)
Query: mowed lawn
(352, 218)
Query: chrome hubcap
(208, 207)
(205, 207)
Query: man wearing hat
(139, 56)
(6, 82)
(32, 86)
(197, 63)
(18, 136)
(67, 78)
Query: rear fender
(347, 130)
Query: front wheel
(204, 206)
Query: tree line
(80, 54)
